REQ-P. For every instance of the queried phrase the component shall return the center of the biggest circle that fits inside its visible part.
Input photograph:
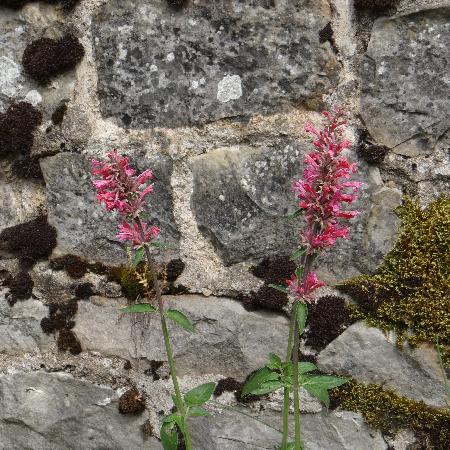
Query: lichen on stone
(45, 58)
(387, 411)
(409, 293)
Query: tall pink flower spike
(322, 192)
(120, 190)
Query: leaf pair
(174, 422)
(173, 314)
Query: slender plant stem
(286, 389)
(173, 372)
(444, 374)
(298, 441)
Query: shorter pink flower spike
(304, 291)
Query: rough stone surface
(210, 60)
(229, 340)
(43, 411)
(231, 430)
(84, 226)
(405, 79)
(366, 354)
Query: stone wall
(213, 96)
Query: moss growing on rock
(68, 341)
(20, 287)
(27, 167)
(381, 6)
(17, 125)
(131, 402)
(74, 266)
(30, 241)
(45, 58)
(369, 151)
(67, 5)
(410, 291)
(385, 410)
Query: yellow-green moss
(383, 409)
(134, 282)
(410, 291)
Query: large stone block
(405, 79)
(84, 226)
(211, 60)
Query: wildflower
(132, 233)
(324, 187)
(302, 290)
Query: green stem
(173, 372)
(298, 441)
(444, 374)
(284, 442)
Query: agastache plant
(322, 192)
(119, 189)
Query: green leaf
(318, 385)
(196, 411)
(138, 256)
(267, 387)
(139, 308)
(320, 393)
(301, 314)
(163, 245)
(259, 378)
(199, 395)
(279, 287)
(299, 272)
(172, 418)
(299, 252)
(180, 319)
(169, 437)
(294, 215)
(274, 362)
(305, 367)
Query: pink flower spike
(303, 291)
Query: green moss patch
(385, 410)
(410, 291)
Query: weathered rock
(84, 227)
(42, 411)
(210, 60)
(229, 340)
(366, 354)
(231, 430)
(405, 93)
(20, 329)
(242, 196)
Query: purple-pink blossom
(303, 290)
(132, 233)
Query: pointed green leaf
(319, 392)
(260, 377)
(163, 245)
(200, 394)
(139, 308)
(305, 367)
(301, 314)
(274, 361)
(169, 437)
(267, 387)
(279, 287)
(179, 318)
(197, 411)
(138, 256)
(299, 252)
(299, 272)
(172, 418)
(324, 381)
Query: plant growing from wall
(321, 192)
(120, 190)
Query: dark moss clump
(67, 341)
(58, 114)
(84, 290)
(369, 151)
(409, 292)
(30, 241)
(177, 4)
(382, 6)
(46, 58)
(67, 5)
(153, 371)
(27, 167)
(303, 357)
(147, 429)
(74, 266)
(385, 410)
(17, 126)
(174, 269)
(127, 365)
(227, 385)
(20, 287)
(327, 319)
(60, 317)
(272, 271)
(131, 402)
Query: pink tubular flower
(118, 188)
(325, 188)
(303, 291)
(131, 233)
